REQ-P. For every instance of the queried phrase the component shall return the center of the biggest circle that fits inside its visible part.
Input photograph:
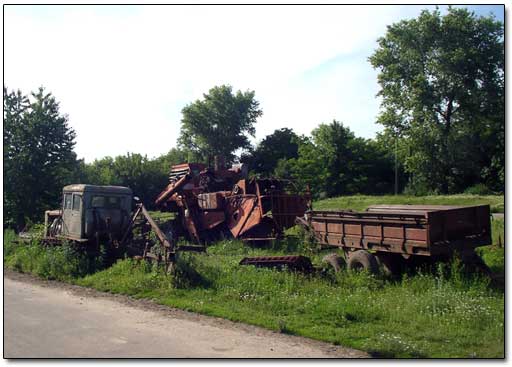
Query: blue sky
(123, 73)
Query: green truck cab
(90, 211)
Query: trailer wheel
(335, 261)
(475, 264)
(390, 264)
(363, 260)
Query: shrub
(418, 188)
(478, 189)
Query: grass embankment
(361, 202)
(424, 315)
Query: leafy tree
(386, 145)
(219, 124)
(142, 175)
(307, 170)
(173, 157)
(146, 177)
(281, 144)
(99, 172)
(335, 162)
(442, 84)
(38, 155)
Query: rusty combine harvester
(223, 203)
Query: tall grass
(64, 262)
(440, 314)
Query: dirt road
(55, 320)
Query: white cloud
(124, 73)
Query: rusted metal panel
(171, 189)
(393, 232)
(406, 229)
(353, 229)
(161, 236)
(334, 228)
(211, 201)
(372, 231)
(419, 234)
(241, 214)
(212, 219)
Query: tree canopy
(336, 162)
(38, 154)
(220, 123)
(442, 88)
(281, 144)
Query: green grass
(494, 256)
(361, 202)
(161, 217)
(62, 263)
(425, 315)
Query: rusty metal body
(94, 215)
(213, 204)
(423, 230)
(89, 212)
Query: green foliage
(38, 155)
(219, 123)
(478, 189)
(65, 262)
(282, 144)
(335, 162)
(498, 232)
(146, 177)
(442, 84)
(494, 255)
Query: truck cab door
(76, 216)
(72, 215)
(67, 203)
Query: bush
(479, 189)
(58, 262)
(9, 243)
(185, 274)
(418, 188)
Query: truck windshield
(109, 202)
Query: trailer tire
(335, 261)
(363, 260)
(475, 264)
(390, 264)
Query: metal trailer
(391, 235)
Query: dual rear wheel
(362, 260)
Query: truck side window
(113, 202)
(67, 201)
(77, 199)
(98, 201)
